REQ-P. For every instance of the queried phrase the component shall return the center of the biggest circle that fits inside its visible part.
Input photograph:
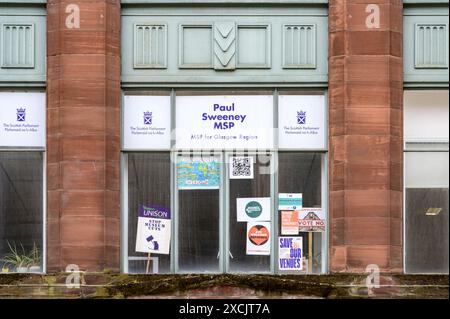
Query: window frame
(174, 252)
(224, 214)
(273, 222)
(429, 146)
(44, 196)
(42, 150)
(324, 205)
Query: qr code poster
(241, 167)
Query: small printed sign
(253, 209)
(154, 229)
(289, 222)
(22, 119)
(311, 220)
(146, 122)
(290, 201)
(301, 121)
(290, 253)
(258, 238)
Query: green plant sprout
(18, 258)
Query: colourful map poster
(198, 173)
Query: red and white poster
(258, 238)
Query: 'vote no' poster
(154, 227)
(311, 220)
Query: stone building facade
(365, 57)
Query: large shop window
(22, 145)
(426, 182)
(209, 186)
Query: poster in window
(241, 167)
(253, 209)
(311, 220)
(198, 173)
(290, 253)
(224, 122)
(258, 238)
(146, 122)
(154, 230)
(290, 201)
(22, 119)
(289, 222)
(301, 122)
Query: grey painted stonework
(22, 45)
(426, 46)
(163, 45)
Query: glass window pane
(426, 114)
(21, 216)
(426, 169)
(426, 215)
(149, 185)
(244, 188)
(302, 173)
(198, 181)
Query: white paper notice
(301, 122)
(146, 122)
(22, 119)
(253, 209)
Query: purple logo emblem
(21, 115)
(148, 118)
(301, 117)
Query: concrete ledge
(103, 285)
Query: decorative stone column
(83, 134)
(366, 132)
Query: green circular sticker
(253, 209)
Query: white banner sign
(146, 122)
(253, 209)
(258, 238)
(224, 122)
(154, 229)
(301, 122)
(22, 119)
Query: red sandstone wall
(83, 95)
(366, 127)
